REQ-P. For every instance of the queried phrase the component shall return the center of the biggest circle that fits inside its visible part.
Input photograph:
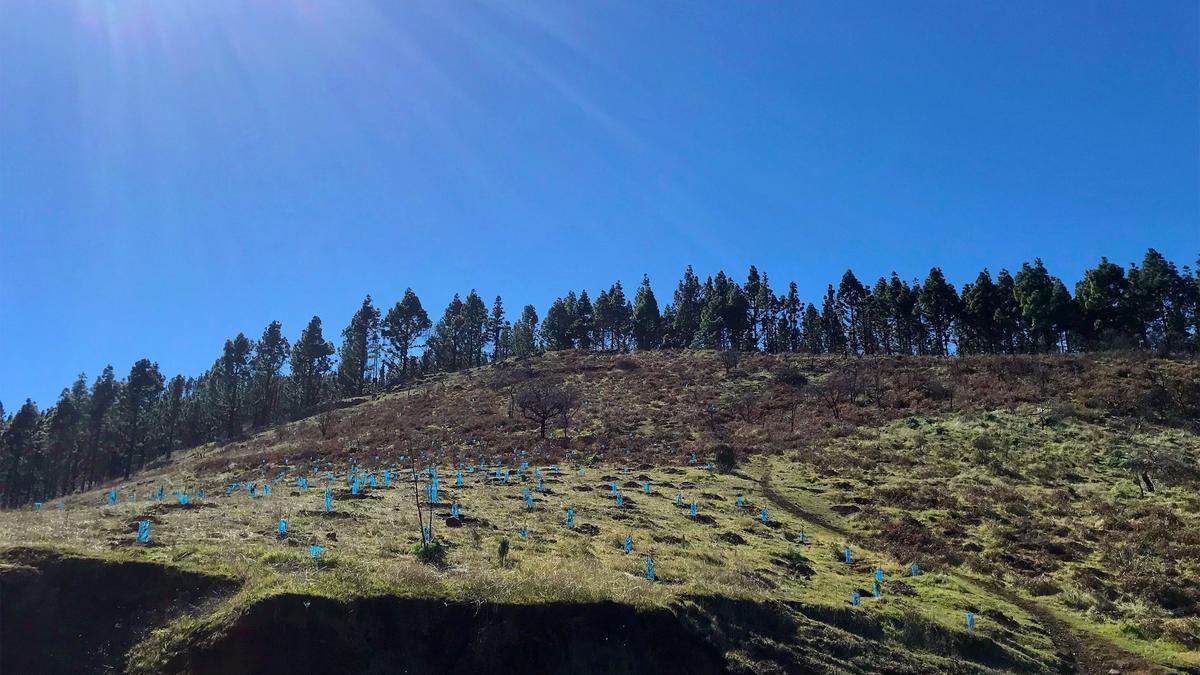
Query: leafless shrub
(728, 359)
(745, 406)
(626, 364)
(985, 447)
(790, 376)
(541, 401)
(325, 422)
(840, 387)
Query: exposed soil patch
(81, 615)
(176, 506)
(296, 633)
(462, 520)
(334, 515)
(351, 496)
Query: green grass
(1044, 492)
(1058, 480)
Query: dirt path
(1077, 652)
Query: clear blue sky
(172, 173)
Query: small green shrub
(502, 552)
(432, 552)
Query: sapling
(502, 552)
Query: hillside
(1053, 498)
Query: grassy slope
(1040, 506)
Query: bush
(728, 359)
(626, 364)
(1185, 631)
(725, 457)
(791, 376)
(502, 552)
(432, 552)
(985, 448)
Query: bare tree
(793, 382)
(842, 386)
(728, 358)
(541, 402)
(417, 500)
(325, 422)
(745, 405)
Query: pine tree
(524, 333)
(447, 342)
(311, 363)
(724, 321)
(939, 307)
(103, 397)
(832, 326)
(173, 409)
(1107, 308)
(141, 392)
(64, 436)
(474, 329)
(1162, 302)
(869, 316)
(584, 321)
(751, 289)
(19, 444)
(1034, 290)
(667, 326)
(792, 309)
(736, 317)
(1009, 321)
(688, 308)
(557, 329)
(404, 325)
(883, 313)
(354, 357)
(234, 376)
(504, 346)
(270, 355)
(1064, 315)
(977, 333)
(1195, 295)
(647, 330)
(768, 307)
(495, 327)
(814, 331)
(850, 296)
(619, 317)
